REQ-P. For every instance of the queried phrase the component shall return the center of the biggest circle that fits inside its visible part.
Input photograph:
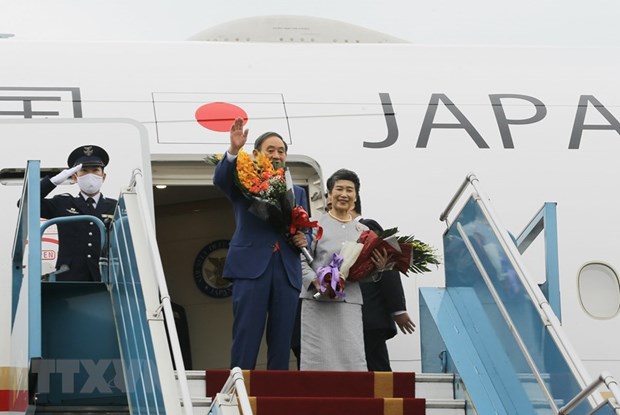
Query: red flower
(400, 249)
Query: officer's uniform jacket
(79, 242)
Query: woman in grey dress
(332, 336)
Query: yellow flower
(259, 176)
(245, 169)
(264, 163)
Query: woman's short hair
(343, 174)
(358, 204)
(259, 141)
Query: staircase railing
(604, 378)
(138, 193)
(80, 218)
(233, 395)
(28, 231)
(504, 249)
(142, 337)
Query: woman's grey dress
(332, 335)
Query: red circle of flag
(219, 116)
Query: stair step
(434, 385)
(338, 405)
(436, 388)
(82, 410)
(445, 407)
(200, 406)
(433, 406)
(319, 383)
(196, 381)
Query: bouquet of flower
(336, 273)
(270, 190)
(331, 276)
(213, 158)
(265, 186)
(407, 254)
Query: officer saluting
(79, 242)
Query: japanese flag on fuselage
(199, 118)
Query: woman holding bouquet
(331, 320)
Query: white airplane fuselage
(535, 124)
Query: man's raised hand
(238, 136)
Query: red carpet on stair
(285, 383)
(337, 406)
(283, 392)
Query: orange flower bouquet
(270, 190)
(265, 186)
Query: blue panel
(81, 358)
(34, 260)
(546, 219)
(21, 235)
(552, 267)
(143, 387)
(476, 352)
(433, 348)
(605, 410)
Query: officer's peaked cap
(90, 155)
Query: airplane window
(599, 290)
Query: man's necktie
(90, 202)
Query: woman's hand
(238, 136)
(380, 258)
(317, 286)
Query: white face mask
(90, 183)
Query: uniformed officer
(79, 242)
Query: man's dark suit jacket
(381, 299)
(80, 242)
(252, 244)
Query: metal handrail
(604, 378)
(81, 218)
(78, 218)
(235, 383)
(137, 183)
(468, 179)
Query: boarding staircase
(497, 331)
(103, 347)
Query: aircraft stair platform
(498, 332)
(111, 347)
(95, 347)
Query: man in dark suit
(263, 264)
(383, 309)
(79, 242)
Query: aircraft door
(194, 224)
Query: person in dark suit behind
(383, 309)
(263, 264)
(79, 242)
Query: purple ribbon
(334, 269)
